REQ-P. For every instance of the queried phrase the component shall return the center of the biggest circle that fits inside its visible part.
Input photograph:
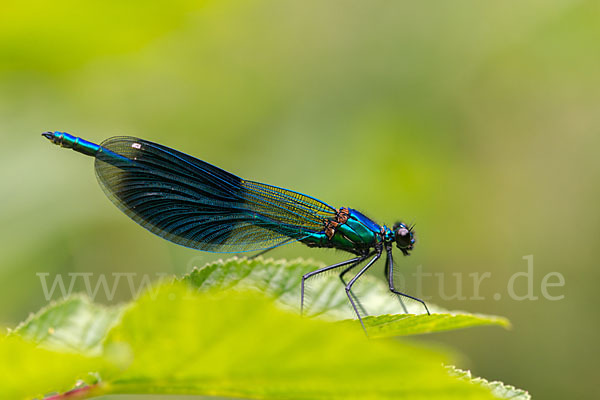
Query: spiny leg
(391, 281)
(349, 286)
(344, 272)
(320, 270)
(389, 273)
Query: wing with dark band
(195, 204)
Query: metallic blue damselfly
(195, 204)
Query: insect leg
(349, 286)
(344, 272)
(320, 270)
(389, 273)
(390, 262)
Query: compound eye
(402, 232)
(403, 237)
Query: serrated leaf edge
(466, 375)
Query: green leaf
(73, 324)
(242, 345)
(326, 297)
(497, 388)
(281, 279)
(196, 338)
(28, 371)
(407, 324)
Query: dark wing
(195, 204)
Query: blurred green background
(479, 121)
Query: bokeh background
(479, 121)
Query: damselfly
(195, 204)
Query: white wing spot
(136, 146)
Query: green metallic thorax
(357, 235)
